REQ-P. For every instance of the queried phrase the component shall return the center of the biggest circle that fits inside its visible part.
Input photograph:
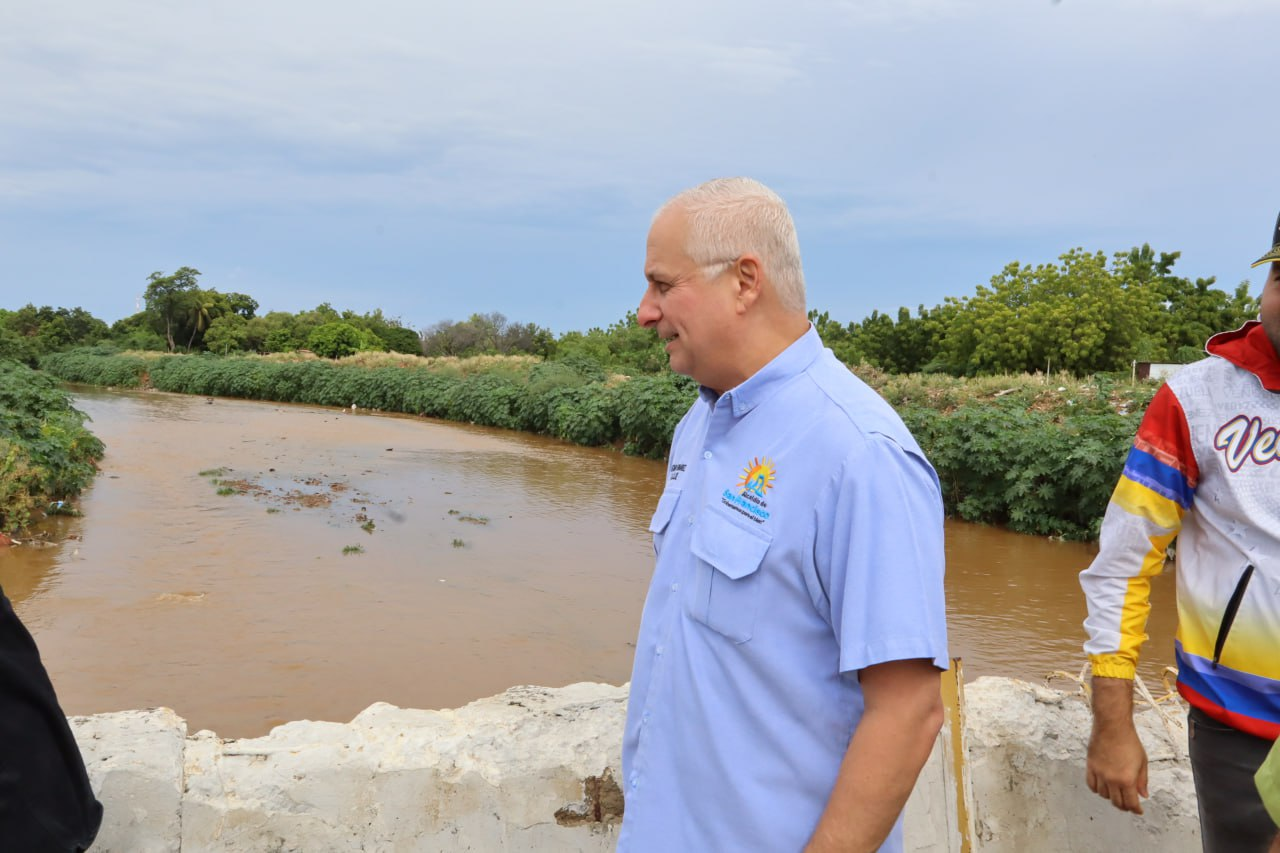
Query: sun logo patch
(758, 477)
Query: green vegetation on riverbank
(1038, 454)
(573, 399)
(46, 454)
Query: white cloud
(994, 115)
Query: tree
(17, 347)
(625, 345)
(135, 332)
(202, 308)
(302, 324)
(227, 333)
(335, 340)
(271, 333)
(33, 331)
(244, 305)
(1080, 315)
(400, 339)
(838, 337)
(167, 297)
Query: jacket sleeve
(1144, 515)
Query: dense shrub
(97, 368)
(334, 340)
(583, 366)
(548, 386)
(46, 454)
(430, 393)
(1031, 471)
(649, 407)
(586, 415)
(490, 400)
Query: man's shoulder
(1206, 369)
(1210, 378)
(852, 403)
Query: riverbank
(1036, 454)
(533, 769)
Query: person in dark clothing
(46, 803)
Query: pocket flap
(666, 506)
(733, 550)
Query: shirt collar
(766, 381)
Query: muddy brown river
(355, 558)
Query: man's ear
(749, 281)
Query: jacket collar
(1249, 348)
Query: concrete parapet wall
(533, 769)
(1026, 760)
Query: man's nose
(647, 314)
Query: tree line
(1084, 314)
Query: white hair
(729, 217)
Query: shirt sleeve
(1156, 488)
(878, 554)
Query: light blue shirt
(799, 539)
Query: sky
(436, 160)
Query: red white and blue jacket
(1205, 468)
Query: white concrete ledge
(532, 769)
(1026, 756)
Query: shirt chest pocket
(726, 593)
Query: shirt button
(674, 587)
(691, 518)
(706, 454)
(658, 651)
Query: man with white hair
(785, 692)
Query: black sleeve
(46, 803)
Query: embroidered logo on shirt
(757, 480)
(757, 477)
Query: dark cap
(1274, 254)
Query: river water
(357, 558)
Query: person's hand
(1117, 765)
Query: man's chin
(678, 364)
(1273, 333)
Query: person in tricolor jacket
(1205, 468)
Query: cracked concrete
(533, 769)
